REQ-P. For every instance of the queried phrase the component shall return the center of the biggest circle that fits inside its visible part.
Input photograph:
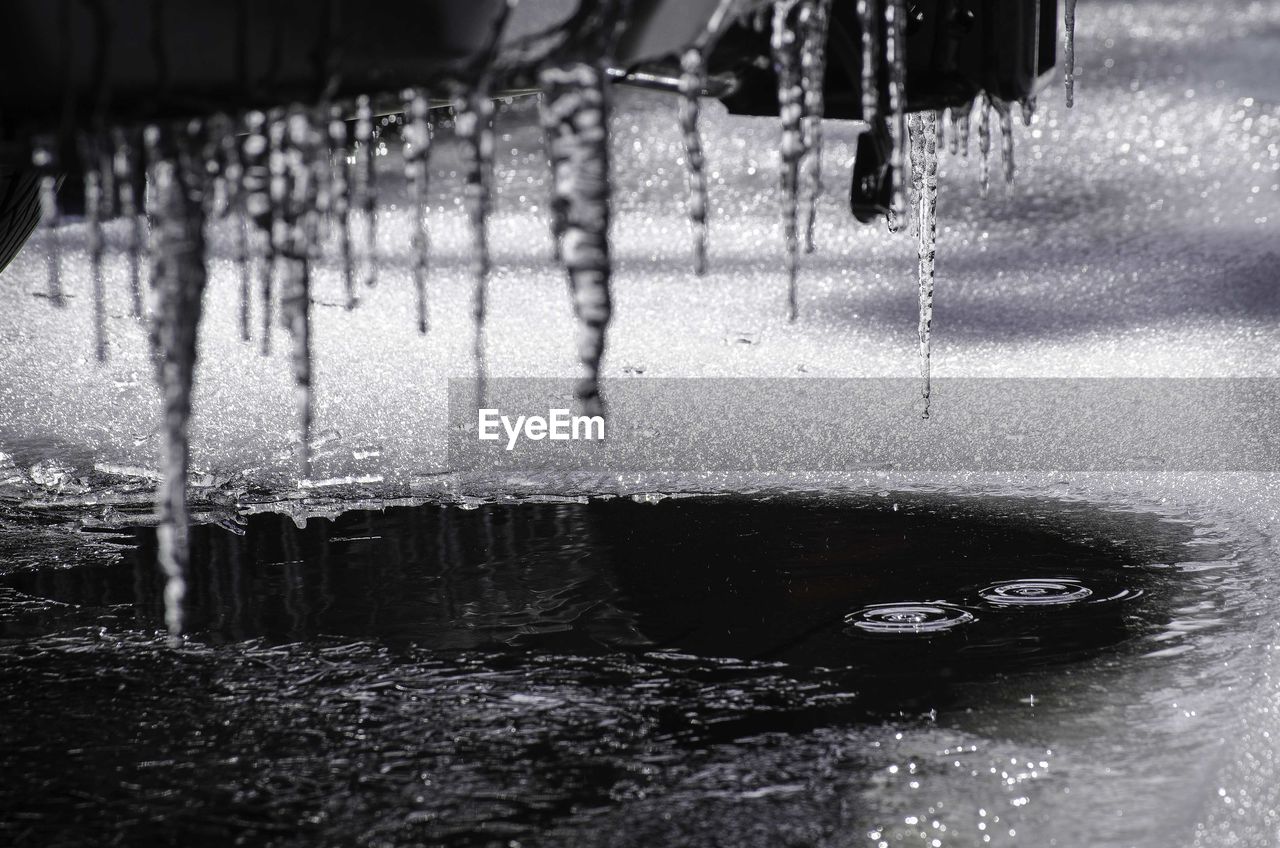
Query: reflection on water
(697, 671)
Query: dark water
(697, 671)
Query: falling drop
(895, 58)
(256, 191)
(925, 126)
(984, 144)
(178, 278)
(868, 23)
(124, 163)
(93, 203)
(296, 229)
(417, 136)
(340, 199)
(474, 125)
(46, 164)
(692, 82)
(785, 42)
(1006, 138)
(366, 184)
(1069, 51)
(577, 97)
(814, 20)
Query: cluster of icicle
(288, 178)
(798, 43)
(293, 175)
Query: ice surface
(1141, 242)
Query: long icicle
(125, 165)
(340, 199)
(256, 190)
(1069, 51)
(277, 197)
(233, 185)
(366, 185)
(178, 279)
(926, 126)
(692, 83)
(785, 48)
(577, 98)
(915, 140)
(869, 21)
(1004, 111)
(297, 232)
(984, 144)
(556, 203)
(473, 123)
(93, 203)
(45, 160)
(964, 130)
(896, 60)
(815, 20)
(417, 136)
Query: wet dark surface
(549, 672)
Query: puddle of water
(683, 672)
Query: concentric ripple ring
(908, 618)
(1036, 592)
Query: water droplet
(1036, 592)
(908, 618)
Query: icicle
(692, 82)
(295, 229)
(124, 163)
(915, 139)
(233, 185)
(340, 199)
(557, 204)
(785, 44)
(869, 23)
(814, 20)
(417, 136)
(366, 184)
(1029, 102)
(924, 126)
(45, 161)
(963, 126)
(577, 98)
(256, 190)
(93, 203)
(984, 144)
(277, 197)
(473, 122)
(178, 279)
(942, 131)
(953, 140)
(895, 57)
(1006, 138)
(1069, 51)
